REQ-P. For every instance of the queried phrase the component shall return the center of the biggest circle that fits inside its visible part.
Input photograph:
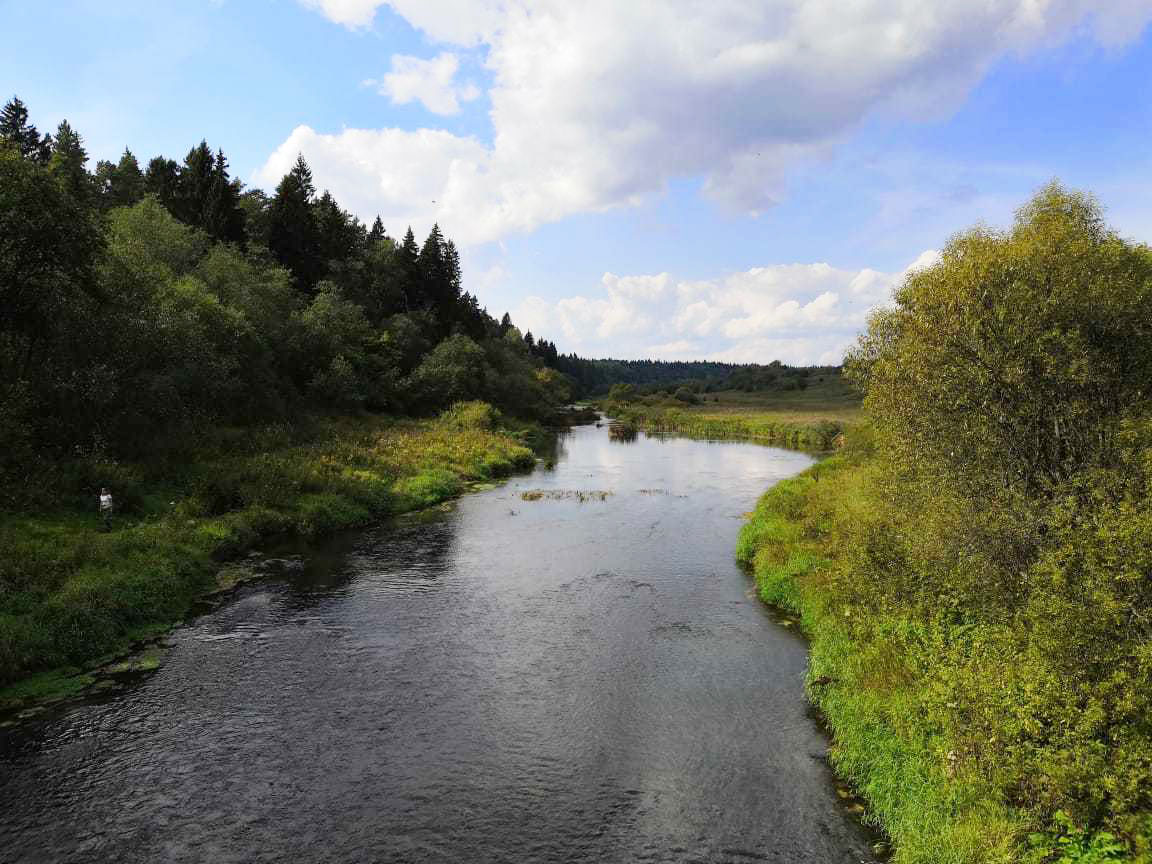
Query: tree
(221, 215)
(434, 277)
(22, 135)
(162, 179)
(193, 185)
(49, 243)
(292, 231)
(69, 160)
(408, 272)
(337, 233)
(456, 370)
(1014, 361)
(377, 233)
(122, 184)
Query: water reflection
(572, 678)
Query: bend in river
(563, 679)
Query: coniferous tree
(162, 180)
(292, 231)
(194, 185)
(434, 276)
(19, 133)
(408, 271)
(337, 233)
(505, 323)
(69, 159)
(221, 215)
(120, 184)
(377, 233)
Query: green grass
(897, 688)
(809, 419)
(70, 594)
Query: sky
(727, 180)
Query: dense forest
(699, 376)
(142, 303)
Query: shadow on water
(567, 677)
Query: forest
(150, 303)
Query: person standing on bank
(105, 509)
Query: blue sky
(739, 180)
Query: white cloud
(797, 313)
(600, 104)
(442, 176)
(430, 82)
(350, 13)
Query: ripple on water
(569, 682)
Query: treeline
(976, 570)
(645, 377)
(145, 303)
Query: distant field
(809, 419)
(831, 399)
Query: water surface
(553, 680)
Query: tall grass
(813, 432)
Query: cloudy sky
(682, 179)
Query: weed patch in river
(580, 495)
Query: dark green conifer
(292, 230)
(161, 179)
(19, 133)
(69, 160)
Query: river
(503, 680)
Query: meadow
(808, 419)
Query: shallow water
(548, 680)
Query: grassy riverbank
(72, 594)
(970, 736)
(809, 419)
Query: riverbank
(811, 419)
(814, 433)
(968, 743)
(74, 595)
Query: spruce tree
(125, 183)
(377, 233)
(220, 214)
(161, 179)
(69, 159)
(434, 276)
(292, 231)
(408, 270)
(194, 185)
(19, 133)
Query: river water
(504, 680)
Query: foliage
(145, 309)
(973, 568)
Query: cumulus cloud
(796, 313)
(350, 13)
(430, 82)
(600, 104)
